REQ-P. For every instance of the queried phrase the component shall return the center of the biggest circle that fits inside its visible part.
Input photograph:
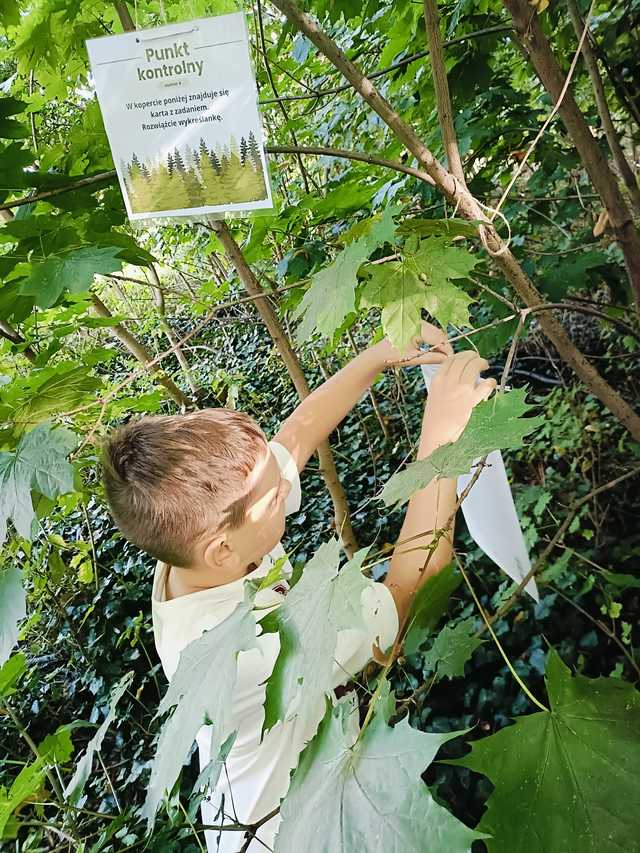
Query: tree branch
(139, 352)
(537, 47)
(340, 153)
(610, 132)
(470, 209)
(401, 63)
(441, 86)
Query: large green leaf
(428, 606)
(39, 462)
(72, 271)
(421, 278)
(13, 608)
(65, 389)
(323, 602)
(207, 661)
(451, 649)
(10, 673)
(75, 787)
(494, 424)
(331, 297)
(573, 769)
(357, 795)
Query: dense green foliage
(352, 250)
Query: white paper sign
(180, 109)
(491, 514)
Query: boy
(207, 495)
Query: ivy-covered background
(361, 240)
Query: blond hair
(170, 478)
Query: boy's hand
(430, 335)
(455, 390)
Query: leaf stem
(523, 686)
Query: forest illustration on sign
(221, 174)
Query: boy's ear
(217, 551)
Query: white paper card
(180, 109)
(491, 516)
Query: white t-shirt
(257, 774)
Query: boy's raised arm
(454, 392)
(319, 414)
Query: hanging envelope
(491, 516)
(180, 108)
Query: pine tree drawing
(190, 178)
(254, 152)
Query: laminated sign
(180, 109)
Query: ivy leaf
(323, 602)
(74, 789)
(72, 271)
(495, 424)
(373, 784)
(451, 649)
(331, 297)
(209, 660)
(13, 608)
(575, 768)
(428, 606)
(39, 462)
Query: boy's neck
(181, 581)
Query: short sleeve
(354, 647)
(289, 471)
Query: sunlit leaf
(331, 297)
(363, 794)
(209, 660)
(13, 608)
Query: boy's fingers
(431, 357)
(484, 390)
(460, 362)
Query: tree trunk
(467, 205)
(139, 352)
(626, 173)
(538, 49)
(294, 369)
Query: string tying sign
(180, 109)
